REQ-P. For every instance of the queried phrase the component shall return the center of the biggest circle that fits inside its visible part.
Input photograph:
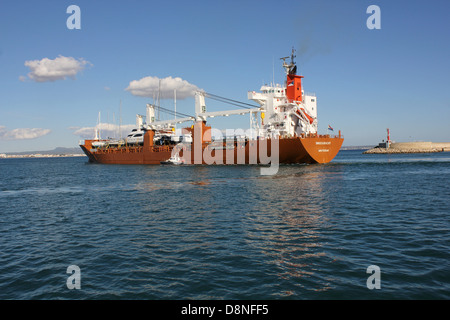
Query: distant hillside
(58, 150)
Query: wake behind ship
(283, 129)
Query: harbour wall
(412, 147)
(442, 145)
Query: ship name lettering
(323, 142)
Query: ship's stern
(322, 148)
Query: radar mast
(290, 68)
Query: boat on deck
(174, 160)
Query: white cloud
(59, 68)
(22, 133)
(150, 86)
(107, 130)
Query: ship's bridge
(278, 91)
(267, 92)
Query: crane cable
(214, 97)
(230, 101)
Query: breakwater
(411, 147)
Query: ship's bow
(86, 146)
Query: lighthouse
(388, 142)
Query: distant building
(386, 144)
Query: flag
(290, 84)
(330, 128)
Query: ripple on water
(153, 232)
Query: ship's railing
(162, 148)
(132, 149)
(316, 135)
(122, 149)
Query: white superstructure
(284, 110)
(287, 113)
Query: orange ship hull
(295, 145)
(310, 149)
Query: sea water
(226, 232)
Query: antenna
(114, 125)
(98, 133)
(273, 71)
(293, 56)
(290, 68)
(175, 104)
(120, 119)
(159, 99)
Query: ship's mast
(120, 120)
(97, 128)
(159, 99)
(175, 104)
(290, 68)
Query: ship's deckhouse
(289, 111)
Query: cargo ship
(283, 129)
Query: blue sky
(365, 80)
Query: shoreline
(39, 155)
(397, 151)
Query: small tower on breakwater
(386, 144)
